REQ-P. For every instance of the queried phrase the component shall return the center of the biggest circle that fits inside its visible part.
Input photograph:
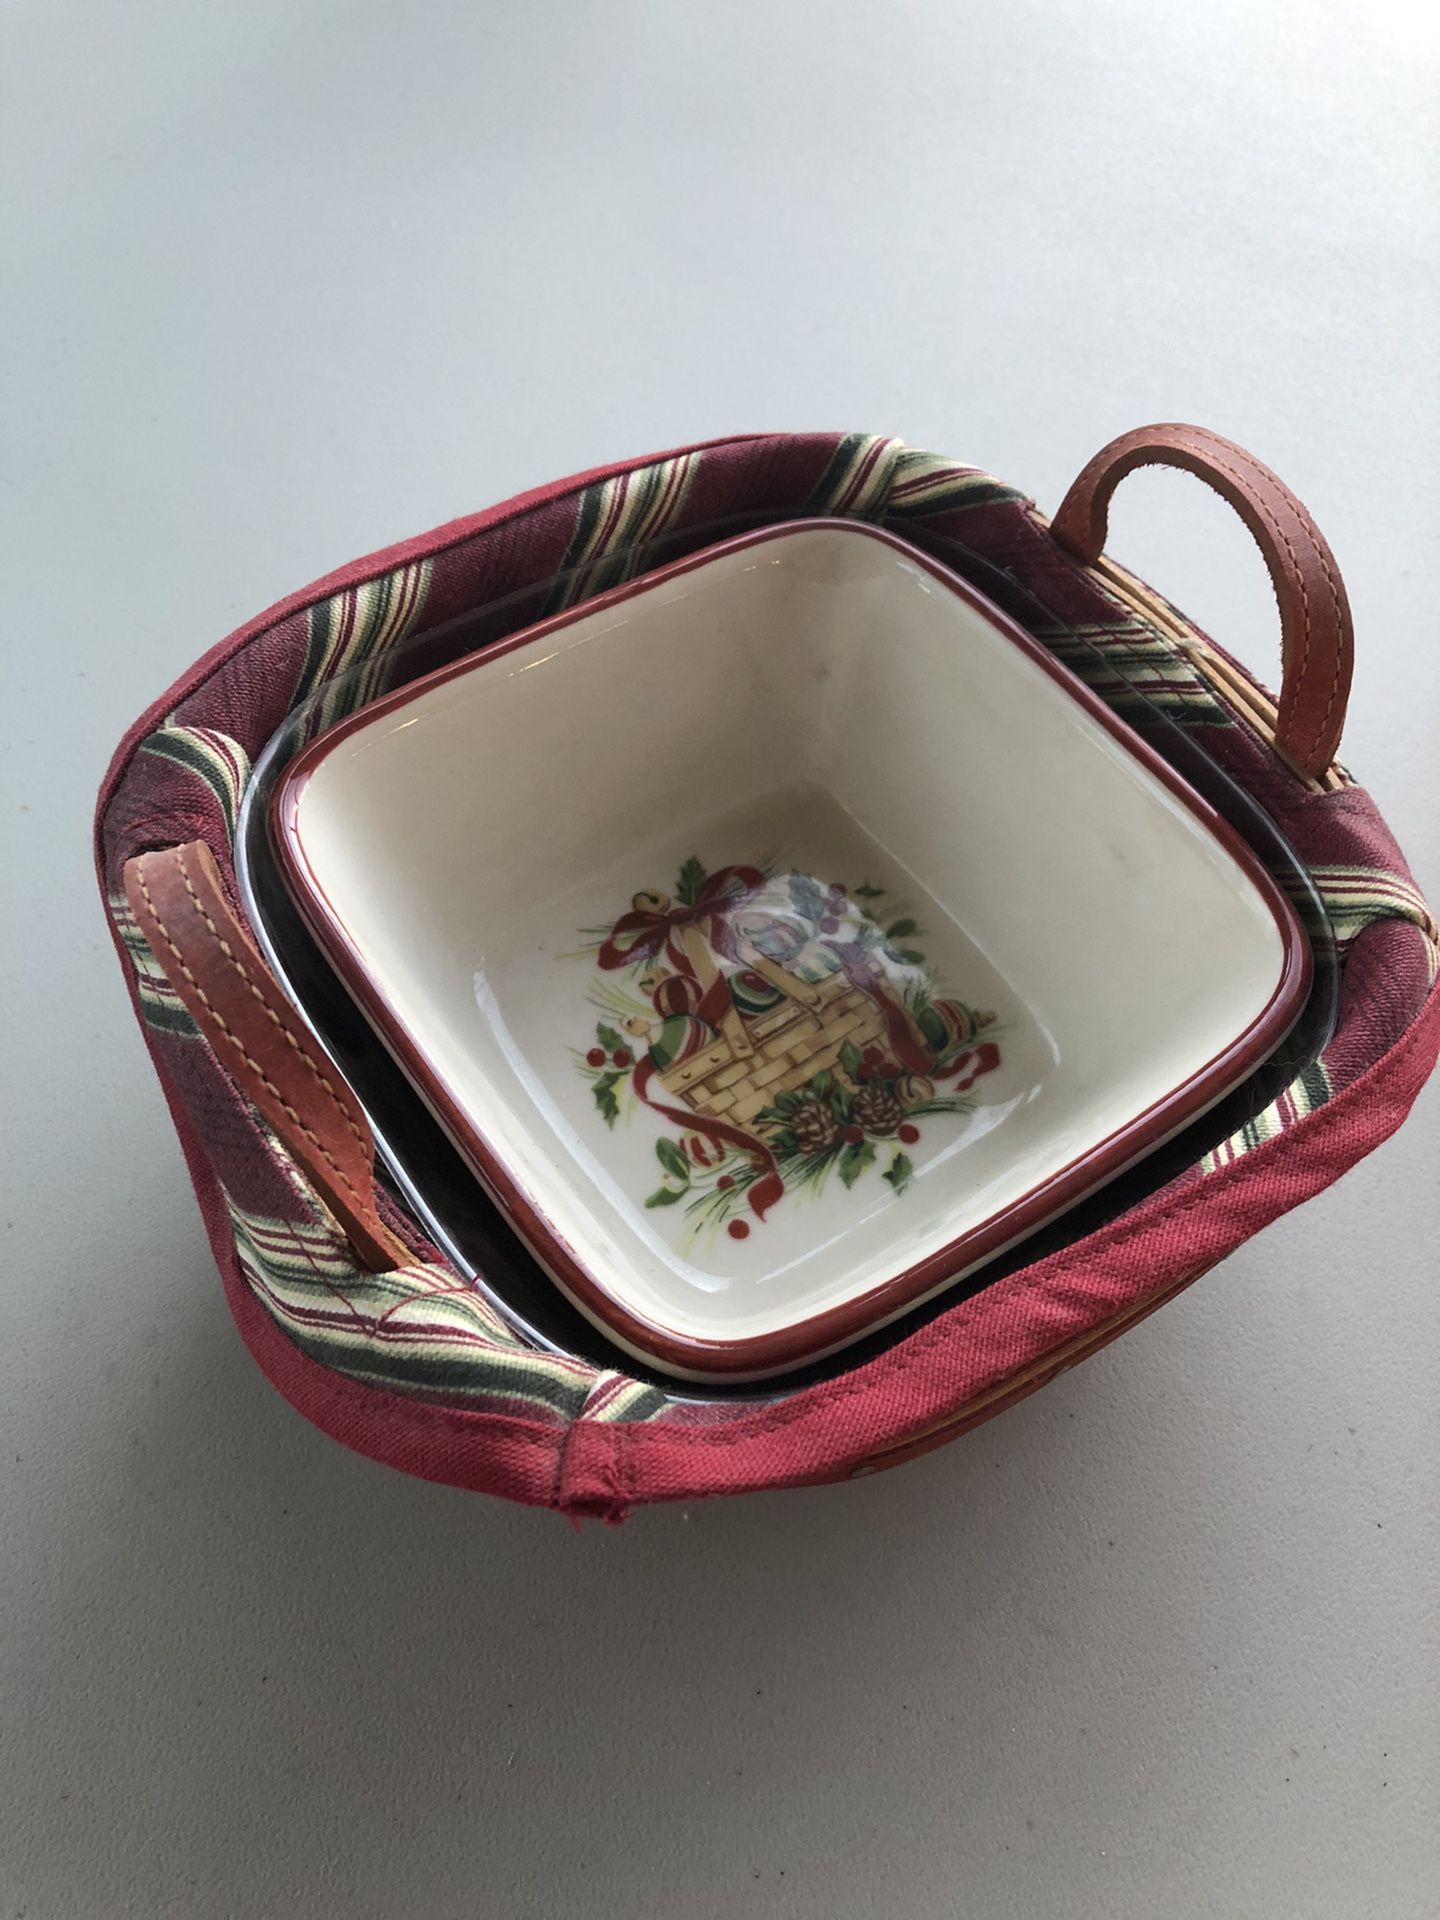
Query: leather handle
(1317, 636)
(235, 1000)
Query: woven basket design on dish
(782, 1049)
(779, 1051)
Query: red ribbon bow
(641, 933)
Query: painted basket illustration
(783, 1047)
(783, 1027)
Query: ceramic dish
(781, 936)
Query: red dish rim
(808, 1340)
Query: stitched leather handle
(1317, 637)
(235, 1000)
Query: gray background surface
(285, 282)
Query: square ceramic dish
(782, 935)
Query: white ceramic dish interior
(782, 936)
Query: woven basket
(350, 1310)
(781, 1050)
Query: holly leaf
(603, 1092)
(900, 1172)
(788, 1102)
(665, 1196)
(850, 1058)
(867, 892)
(672, 1159)
(855, 1159)
(608, 1038)
(907, 956)
(901, 930)
(692, 878)
(822, 1084)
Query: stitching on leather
(1259, 505)
(271, 1015)
(239, 1045)
(1203, 433)
(1315, 534)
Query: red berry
(595, 1057)
(621, 1056)
(726, 1180)
(739, 1229)
(854, 1135)
(908, 1134)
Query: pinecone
(814, 1126)
(876, 1108)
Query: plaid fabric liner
(418, 1330)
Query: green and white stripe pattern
(1122, 658)
(866, 476)
(1302, 1096)
(212, 756)
(416, 1329)
(615, 516)
(928, 483)
(857, 479)
(162, 1007)
(350, 637)
(615, 1398)
(1356, 897)
(1126, 659)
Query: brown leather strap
(236, 1002)
(1317, 638)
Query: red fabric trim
(489, 1453)
(1017, 1321)
(827, 1431)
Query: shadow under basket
(403, 1313)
